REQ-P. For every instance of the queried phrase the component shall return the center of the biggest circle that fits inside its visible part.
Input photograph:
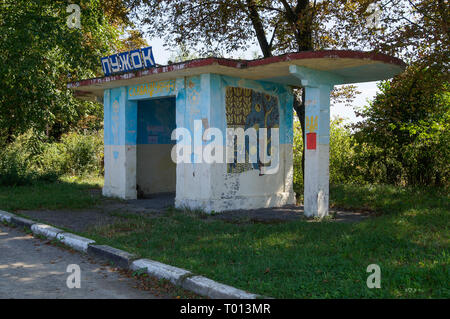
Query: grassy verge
(66, 193)
(308, 260)
(409, 241)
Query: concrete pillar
(120, 133)
(317, 137)
(193, 114)
(317, 85)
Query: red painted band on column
(311, 141)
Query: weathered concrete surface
(161, 271)
(5, 216)
(76, 242)
(198, 284)
(119, 257)
(207, 287)
(22, 222)
(45, 230)
(31, 269)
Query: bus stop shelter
(143, 108)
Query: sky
(368, 90)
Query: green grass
(409, 240)
(308, 259)
(66, 193)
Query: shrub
(30, 158)
(17, 161)
(83, 153)
(406, 129)
(342, 156)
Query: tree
(412, 29)
(40, 54)
(277, 26)
(407, 127)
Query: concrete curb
(160, 270)
(22, 222)
(215, 290)
(75, 241)
(5, 217)
(178, 276)
(119, 257)
(45, 230)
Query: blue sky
(368, 90)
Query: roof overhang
(347, 66)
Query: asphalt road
(31, 268)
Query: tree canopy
(40, 54)
(412, 29)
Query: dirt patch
(111, 211)
(75, 220)
(285, 214)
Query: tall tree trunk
(300, 18)
(259, 29)
(299, 107)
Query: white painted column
(317, 137)
(317, 85)
(120, 129)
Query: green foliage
(83, 153)
(342, 169)
(17, 161)
(29, 158)
(405, 133)
(304, 259)
(40, 54)
(297, 160)
(342, 155)
(403, 139)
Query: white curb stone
(178, 276)
(207, 287)
(74, 241)
(45, 230)
(5, 217)
(160, 271)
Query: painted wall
(210, 186)
(199, 185)
(120, 131)
(156, 172)
(121, 137)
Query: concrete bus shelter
(142, 108)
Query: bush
(83, 153)
(405, 132)
(17, 161)
(30, 158)
(343, 167)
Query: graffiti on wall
(247, 108)
(151, 89)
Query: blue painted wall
(120, 114)
(156, 121)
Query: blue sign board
(128, 61)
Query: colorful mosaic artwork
(247, 108)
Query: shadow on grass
(297, 259)
(305, 260)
